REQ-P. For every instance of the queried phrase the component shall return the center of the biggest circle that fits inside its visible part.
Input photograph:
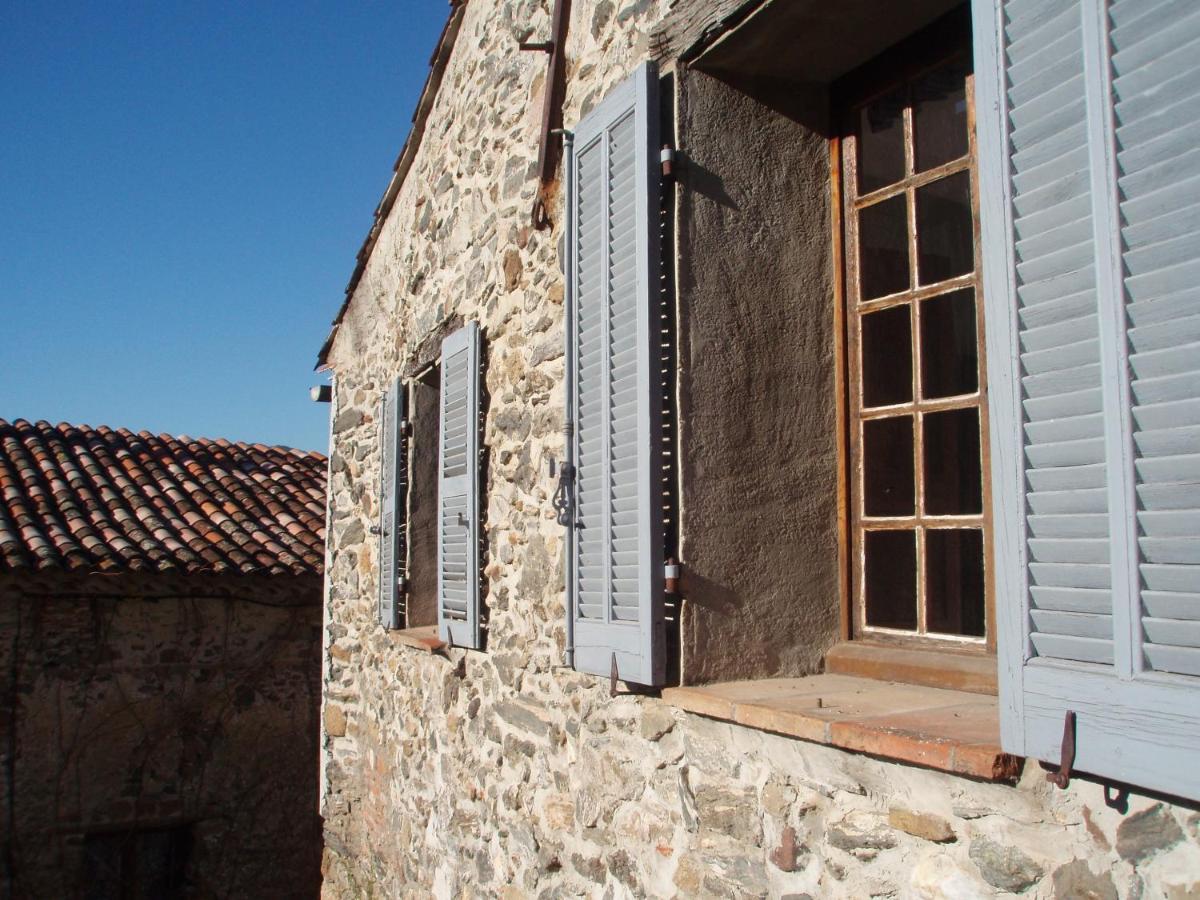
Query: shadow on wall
(161, 745)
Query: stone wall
(134, 703)
(504, 774)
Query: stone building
(762, 432)
(160, 613)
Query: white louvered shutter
(1091, 230)
(458, 490)
(393, 475)
(1156, 92)
(615, 547)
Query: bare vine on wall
(159, 711)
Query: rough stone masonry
(504, 774)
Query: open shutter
(393, 478)
(458, 490)
(615, 548)
(1090, 215)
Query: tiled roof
(105, 500)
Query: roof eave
(433, 82)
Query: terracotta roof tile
(80, 498)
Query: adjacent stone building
(747, 503)
(160, 613)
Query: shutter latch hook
(1067, 760)
(563, 500)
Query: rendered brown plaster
(757, 404)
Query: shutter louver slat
(615, 558)
(458, 490)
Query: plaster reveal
(503, 773)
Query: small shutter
(458, 490)
(393, 475)
(1090, 214)
(615, 549)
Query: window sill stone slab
(423, 638)
(954, 731)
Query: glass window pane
(940, 115)
(883, 247)
(954, 581)
(887, 357)
(888, 467)
(945, 245)
(949, 353)
(952, 465)
(881, 142)
(890, 578)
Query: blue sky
(183, 188)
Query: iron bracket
(613, 677)
(1066, 763)
(542, 46)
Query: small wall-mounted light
(321, 393)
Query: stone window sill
(423, 638)
(954, 731)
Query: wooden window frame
(894, 68)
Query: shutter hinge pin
(1067, 760)
(671, 576)
(541, 46)
(375, 529)
(667, 158)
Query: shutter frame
(604, 630)
(1139, 727)
(458, 490)
(393, 408)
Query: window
(148, 864)
(914, 320)
(429, 487)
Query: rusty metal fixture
(1067, 760)
(784, 856)
(556, 65)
